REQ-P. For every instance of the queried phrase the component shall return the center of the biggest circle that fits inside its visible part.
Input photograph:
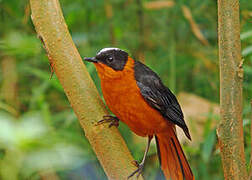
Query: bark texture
(108, 144)
(230, 130)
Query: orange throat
(107, 73)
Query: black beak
(92, 59)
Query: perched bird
(137, 96)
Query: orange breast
(124, 99)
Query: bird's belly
(131, 108)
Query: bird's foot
(139, 170)
(112, 120)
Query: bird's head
(109, 61)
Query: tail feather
(173, 161)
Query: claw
(112, 120)
(141, 165)
(138, 172)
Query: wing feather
(158, 96)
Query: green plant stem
(172, 57)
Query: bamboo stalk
(230, 129)
(108, 144)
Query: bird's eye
(110, 59)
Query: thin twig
(155, 5)
(194, 26)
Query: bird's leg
(112, 120)
(141, 165)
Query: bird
(136, 95)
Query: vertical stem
(230, 129)
(109, 15)
(172, 25)
(10, 79)
(140, 15)
(172, 57)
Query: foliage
(46, 135)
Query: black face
(112, 57)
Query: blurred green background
(40, 137)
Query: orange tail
(172, 158)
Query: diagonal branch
(108, 144)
